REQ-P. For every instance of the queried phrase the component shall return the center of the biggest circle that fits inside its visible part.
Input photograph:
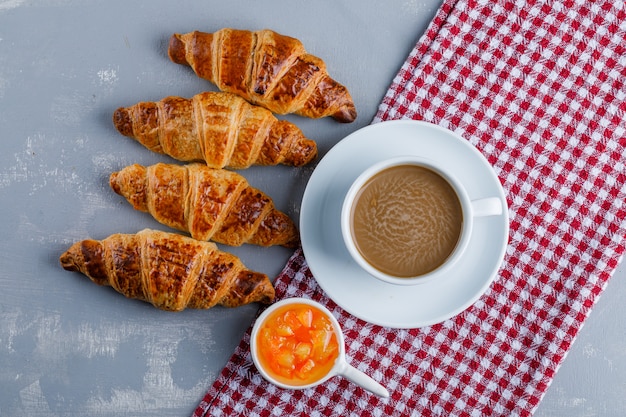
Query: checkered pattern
(538, 88)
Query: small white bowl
(341, 367)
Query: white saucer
(356, 291)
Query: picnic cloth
(538, 88)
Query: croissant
(265, 68)
(221, 129)
(170, 271)
(210, 204)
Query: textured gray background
(70, 348)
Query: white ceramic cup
(471, 209)
(341, 366)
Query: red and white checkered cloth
(539, 88)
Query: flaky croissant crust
(220, 129)
(170, 271)
(210, 204)
(267, 69)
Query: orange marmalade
(297, 344)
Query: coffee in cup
(406, 219)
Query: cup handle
(490, 206)
(363, 380)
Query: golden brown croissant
(265, 68)
(210, 204)
(221, 129)
(170, 271)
